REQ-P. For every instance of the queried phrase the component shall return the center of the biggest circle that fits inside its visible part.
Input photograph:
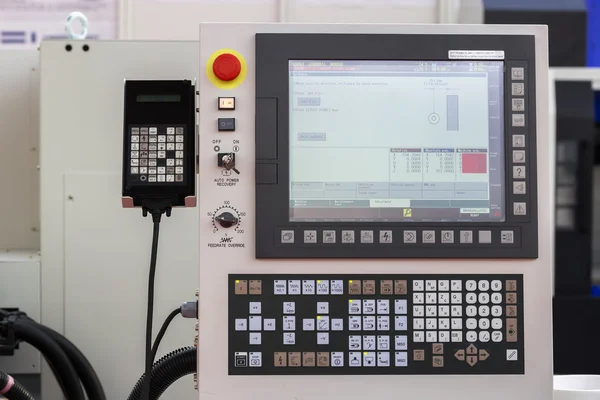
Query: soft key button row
(308, 287)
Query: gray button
(517, 73)
(347, 236)
(466, 236)
(385, 236)
(507, 237)
(328, 236)
(366, 236)
(179, 131)
(410, 236)
(518, 104)
(518, 172)
(518, 89)
(519, 188)
(518, 120)
(287, 236)
(518, 156)
(310, 236)
(485, 236)
(447, 236)
(428, 236)
(226, 124)
(520, 208)
(518, 140)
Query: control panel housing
(251, 283)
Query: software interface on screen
(396, 141)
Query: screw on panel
(71, 198)
(197, 292)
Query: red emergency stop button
(227, 67)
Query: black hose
(12, 389)
(89, 379)
(167, 371)
(36, 337)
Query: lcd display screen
(397, 141)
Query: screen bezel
(273, 53)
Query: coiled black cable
(167, 371)
(11, 389)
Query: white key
(444, 298)
(289, 338)
(153, 130)
(431, 337)
(456, 286)
(497, 336)
(383, 323)
(269, 324)
(241, 324)
(255, 322)
(280, 287)
(418, 298)
(255, 307)
(431, 311)
(369, 307)
(418, 323)
(471, 298)
(471, 323)
(308, 324)
(471, 336)
(337, 287)
(484, 336)
(497, 311)
(323, 338)
(322, 287)
(323, 307)
(418, 311)
(444, 323)
(456, 298)
(484, 298)
(354, 307)
(289, 307)
(369, 359)
(484, 286)
(255, 338)
(401, 342)
(497, 298)
(337, 359)
(354, 323)
(431, 323)
(400, 322)
(383, 359)
(444, 336)
(471, 311)
(322, 323)
(383, 307)
(457, 336)
(456, 323)
(444, 311)
(308, 287)
(294, 287)
(354, 342)
(369, 322)
(401, 359)
(400, 306)
(484, 311)
(443, 286)
(369, 343)
(355, 359)
(496, 286)
(383, 343)
(289, 323)
(337, 324)
(457, 311)
(418, 286)
(471, 286)
(484, 323)
(497, 323)
(418, 336)
(430, 298)
(431, 286)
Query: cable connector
(189, 309)
(8, 338)
(156, 208)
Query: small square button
(241, 287)
(466, 236)
(287, 236)
(366, 236)
(447, 236)
(520, 208)
(512, 355)
(310, 236)
(518, 156)
(518, 120)
(518, 89)
(280, 359)
(347, 236)
(226, 124)
(518, 140)
(328, 236)
(410, 236)
(518, 172)
(256, 287)
(485, 236)
(294, 359)
(368, 287)
(517, 73)
(385, 236)
(518, 104)
(308, 359)
(519, 187)
(507, 237)
(255, 338)
(226, 103)
(323, 359)
(428, 236)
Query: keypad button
(418, 336)
(471, 336)
(418, 311)
(294, 287)
(255, 338)
(471, 311)
(485, 237)
(410, 236)
(431, 311)
(269, 324)
(431, 285)
(444, 286)
(383, 323)
(518, 156)
(308, 287)
(322, 323)
(456, 286)
(383, 342)
(418, 323)
(496, 298)
(337, 287)
(369, 359)
(241, 324)
(418, 298)
(400, 306)
(518, 120)
(401, 359)
(484, 323)
(255, 307)
(496, 285)
(280, 287)
(519, 172)
(496, 336)
(518, 104)
(431, 337)
(369, 306)
(471, 298)
(484, 298)
(428, 236)
(430, 298)
(456, 311)
(466, 236)
(518, 141)
(484, 336)
(519, 208)
(337, 359)
(400, 322)
(483, 286)
(354, 307)
(369, 322)
(383, 307)
(322, 287)
(337, 324)
(471, 323)
(354, 342)
(308, 324)
(518, 89)
(497, 323)
(355, 359)
(447, 236)
(456, 324)
(401, 342)
(289, 323)
(471, 286)
(517, 73)
(497, 311)
(323, 338)
(444, 336)
(418, 286)
(444, 311)
(431, 323)
(385, 236)
(457, 336)
(444, 323)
